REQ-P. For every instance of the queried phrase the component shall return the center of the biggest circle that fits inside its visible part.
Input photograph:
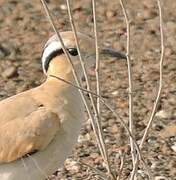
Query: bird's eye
(73, 51)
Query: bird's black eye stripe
(73, 51)
(51, 56)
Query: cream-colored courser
(39, 127)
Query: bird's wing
(17, 106)
(27, 134)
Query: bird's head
(54, 60)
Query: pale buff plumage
(46, 120)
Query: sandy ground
(23, 32)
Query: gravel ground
(23, 32)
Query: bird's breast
(72, 111)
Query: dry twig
(73, 69)
(98, 130)
(97, 69)
(122, 161)
(130, 82)
(98, 172)
(118, 117)
(81, 90)
(158, 96)
(38, 167)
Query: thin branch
(78, 87)
(130, 82)
(38, 167)
(160, 80)
(73, 69)
(78, 83)
(158, 96)
(72, 65)
(68, 58)
(97, 69)
(111, 109)
(97, 79)
(26, 168)
(98, 172)
(122, 161)
(98, 133)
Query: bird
(40, 126)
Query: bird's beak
(112, 53)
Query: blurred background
(24, 29)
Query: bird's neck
(59, 69)
(56, 83)
(62, 94)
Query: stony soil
(23, 31)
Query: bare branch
(158, 96)
(78, 85)
(111, 109)
(76, 77)
(98, 172)
(98, 131)
(106, 158)
(130, 82)
(26, 169)
(97, 69)
(38, 167)
(160, 80)
(73, 69)
(122, 161)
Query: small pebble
(173, 147)
(162, 114)
(9, 72)
(160, 178)
(84, 138)
(114, 129)
(72, 166)
(142, 173)
(110, 14)
(63, 7)
(115, 93)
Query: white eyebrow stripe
(49, 49)
(53, 46)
